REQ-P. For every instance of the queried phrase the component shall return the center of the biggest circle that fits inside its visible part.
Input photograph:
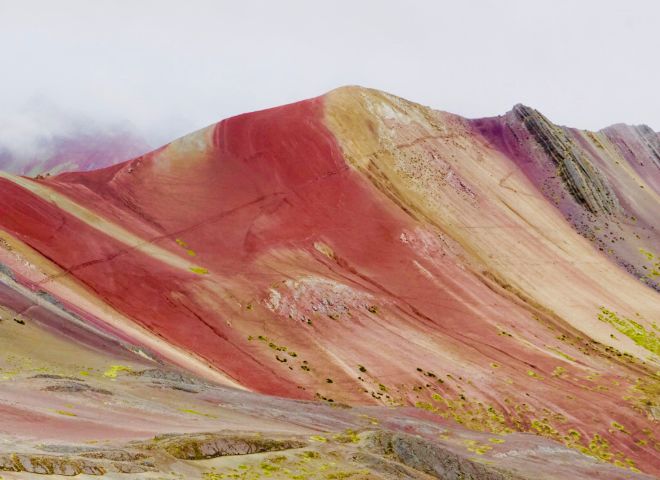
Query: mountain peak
(494, 276)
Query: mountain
(420, 291)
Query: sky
(165, 68)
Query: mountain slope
(604, 183)
(362, 249)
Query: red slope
(273, 180)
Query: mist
(160, 69)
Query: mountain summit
(462, 280)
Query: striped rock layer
(361, 249)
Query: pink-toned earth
(352, 286)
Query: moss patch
(632, 329)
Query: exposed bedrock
(585, 182)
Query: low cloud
(41, 137)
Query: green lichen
(544, 428)
(66, 413)
(572, 437)
(195, 412)
(475, 447)
(472, 414)
(654, 260)
(619, 427)
(184, 245)
(631, 329)
(599, 447)
(199, 270)
(347, 436)
(560, 353)
(558, 371)
(114, 370)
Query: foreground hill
(357, 249)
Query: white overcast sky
(169, 67)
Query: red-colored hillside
(358, 248)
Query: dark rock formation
(585, 182)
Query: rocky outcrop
(139, 456)
(75, 387)
(433, 459)
(585, 182)
(210, 445)
(604, 183)
(68, 465)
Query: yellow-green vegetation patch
(347, 436)
(195, 412)
(474, 415)
(654, 260)
(599, 447)
(619, 427)
(184, 245)
(475, 447)
(572, 437)
(558, 371)
(301, 466)
(560, 353)
(199, 270)
(645, 393)
(631, 329)
(369, 419)
(66, 413)
(292, 356)
(544, 428)
(479, 417)
(113, 370)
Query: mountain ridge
(360, 249)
